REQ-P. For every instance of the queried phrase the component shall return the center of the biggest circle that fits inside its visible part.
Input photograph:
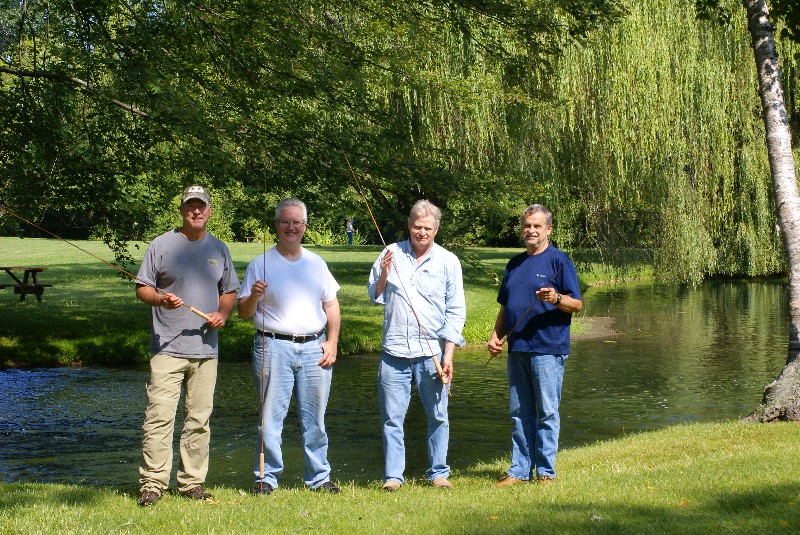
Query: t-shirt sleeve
(230, 280)
(147, 271)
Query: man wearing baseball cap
(186, 263)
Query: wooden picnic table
(29, 283)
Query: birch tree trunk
(782, 396)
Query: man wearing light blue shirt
(421, 287)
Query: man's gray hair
(538, 208)
(286, 203)
(424, 208)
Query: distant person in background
(420, 272)
(537, 297)
(350, 229)
(291, 296)
(184, 263)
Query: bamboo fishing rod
(127, 274)
(263, 388)
(522, 317)
(439, 370)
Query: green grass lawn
(91, 316)
(688, 479)
(701, 478)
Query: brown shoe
(545, 480)
(197, 493)
(391, 485)
(441, 483)
(507, 481)
(148, 498)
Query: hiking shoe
(262, 489)
(545, 480)
(392, 485)
(507, 481)
(330, 487)
(442, 483)
(197, 493)
(148, 498)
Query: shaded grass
(91, 315)
(700, 478)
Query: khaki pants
(198, 378)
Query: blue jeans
(395, 375)
(534, 395)
(286, 366)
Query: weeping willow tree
(445, 85)
(644, 135)
(656, 142)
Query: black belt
(297, 338)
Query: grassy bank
(693, 479)
(91, 316)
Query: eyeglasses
(294, 224)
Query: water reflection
(683, 355)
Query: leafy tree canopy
(110, 107)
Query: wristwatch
(558, 299)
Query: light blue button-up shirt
(435, 290)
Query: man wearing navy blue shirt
(537, 297)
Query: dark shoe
(197, 493)
(148, 498)
(545, 480)
(330, 487)
(507, 481)
(262, 489)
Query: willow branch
(74, 81)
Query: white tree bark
(782, 396)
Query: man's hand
(247, 305)
(258, 289)
(170, 301)
(386, 264)
(334, 315)
(217, 320)
(548, 295)
(386, 267)
(495, 346)
(328, 353)
(447, 367)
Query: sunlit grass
(688, 479)
(91, 314)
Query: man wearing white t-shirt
(291, 296)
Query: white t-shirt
(292, 303)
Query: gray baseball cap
(196, 192)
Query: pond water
(676, 355)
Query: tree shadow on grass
(29, 495)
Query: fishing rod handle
(201, 314)
(439, 370)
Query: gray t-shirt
(196, 271)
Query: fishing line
(127, 274)
(439, 370)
